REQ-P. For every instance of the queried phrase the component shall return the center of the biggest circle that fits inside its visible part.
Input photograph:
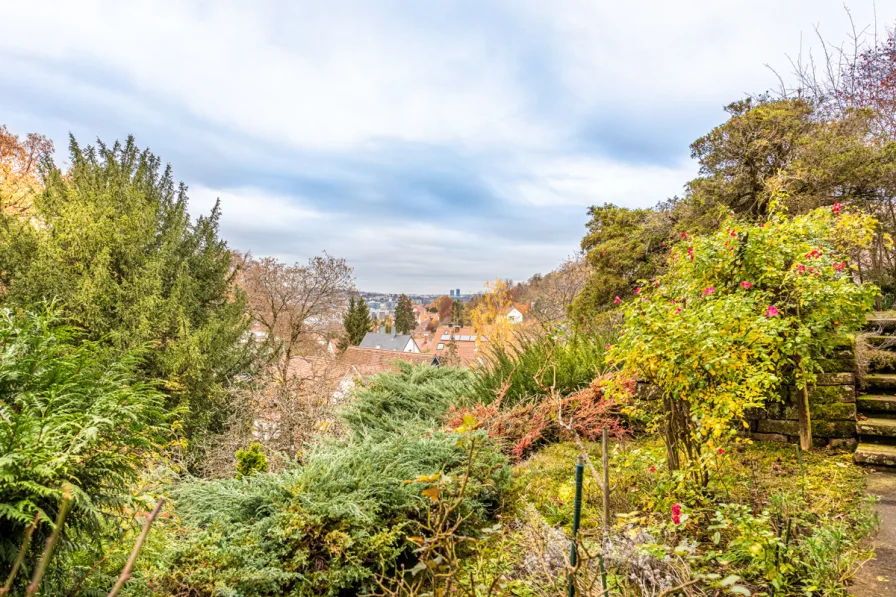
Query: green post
(576, 516)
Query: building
(394, 342)
(451, 293)
(457, 293)
(517, 312)
(468, 347)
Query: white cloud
(586, 180)
(254, 210)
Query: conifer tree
(404, 315)
(110, 242)
(357, 322)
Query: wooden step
(870, 403)
(879, 340)
(881, 381)
(883, 320)
(876, 427)
(875, 454)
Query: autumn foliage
(524, 427)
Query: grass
(776, 524)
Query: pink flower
(617, 300)
(772, 311)
(653, 469)
(838, 267)
(637, 290)
(801, 269)
(747, 285)
(813, 254)
(836, 208)
(678, 311)
(709, 290)
(691, 253)
(676, 513)
(608, 347)
(684, 235)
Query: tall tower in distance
(451, 293)
(457, 293)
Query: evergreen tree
(357, 322)
(111, 243)
(457, 313)
(404, 315)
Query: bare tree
(298, 309)
(554, 292)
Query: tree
(19, 177)
(301, 308)
(489, 316)
(443, 306)
(357, 321)
(554, 294)
(404, 315)
(622, 246)
(739, 312)
(457, 313)
(111, 242)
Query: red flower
(691, 253)
(653, 469)
(801, 269)
(684, 235)
(676, 513)
(746, 285)
(838, 267)
(678, 311)
(709, 290)
(772, 311)
(733, 233)
(617, 300)
(721, 450)
(836, 208)
(637, 290)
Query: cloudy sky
(433, 144)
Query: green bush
(250, 461)
(415, 396)
(328, 526)
(526, 368)
(70, 416)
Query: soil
(877, 578)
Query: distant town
(382, 304)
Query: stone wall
(832, 406)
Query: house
(395, 342)
(469, 348)
(516, 312)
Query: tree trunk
(802, 409)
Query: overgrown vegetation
(76, 418)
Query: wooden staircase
(876, 425)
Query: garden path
(877, 578)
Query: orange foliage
(522, 428)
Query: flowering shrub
(737, 313)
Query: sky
(433, 145)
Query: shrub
(251, 460)
(530, 365)
(415, 396)
(524, 427)
(70, 416)
(736, 314)
(346, 514)
(324, 528)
